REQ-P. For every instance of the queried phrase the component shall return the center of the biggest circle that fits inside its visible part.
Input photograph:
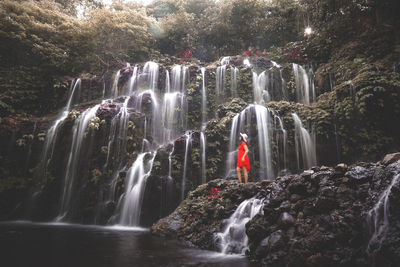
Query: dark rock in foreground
(318, 218)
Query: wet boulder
(360, 173)
(107, 111)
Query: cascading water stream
(173, 114)
(220, 80)
(260, 93)
(116, 149)
(203, 96)
(151, 70)
(171, 118)
(188, 144)
(172, 124)
(232, 151)
(305, 143)
(117, 136)
(233, 238)
(284, 139)
(78, 137)
(203, 140)
(134, 189)
(114, 89)
(133, 81)
(378, 219)
(234, 81)
(51, 135)
(203, 145)
(264, 135)
(305, 90)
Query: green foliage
(120, 35)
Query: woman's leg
(246, 177)
(239, 174)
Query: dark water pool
(62, 245)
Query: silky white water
(305, 144)
(233, 238)
(378, 219)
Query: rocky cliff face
(355, 117)
(322, 217)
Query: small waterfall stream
(233, 238)
(188, 144)
(134, 189)
(51, 135)
(378, 219)
(283, 137)
(220, 83)
(203, 140)
(234, 81)
(305, 144)
(305, 90)
(114, 89)
(261, 95)
(79, 135)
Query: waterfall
(116, 149)
(167, 82)
(261, 95)
(174, 109)
(174, 105)
(234, 81)
(203, 96)
(220, 79)
(232, 151)
(264, 135)
(151, 70)
(203, 145)
(114, 89)
(133, 81)
(203, 140)
(188, 143)
(284, 139)
(117, 135)
(264, 132)
(305, 143)
(179, 76)
(134, 189)
(378, 219)
(246, 62)
(78, 136)
(51, 135)
(171, 119)
(233, 238)
(304, 84)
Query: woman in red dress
(243, 160)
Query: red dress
(246, 162)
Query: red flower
(248, 53)
(214, 192)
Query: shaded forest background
(44, 43)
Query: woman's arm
(246, 150)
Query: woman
(243, 160)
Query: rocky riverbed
(322, 217)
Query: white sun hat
(244, 136)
